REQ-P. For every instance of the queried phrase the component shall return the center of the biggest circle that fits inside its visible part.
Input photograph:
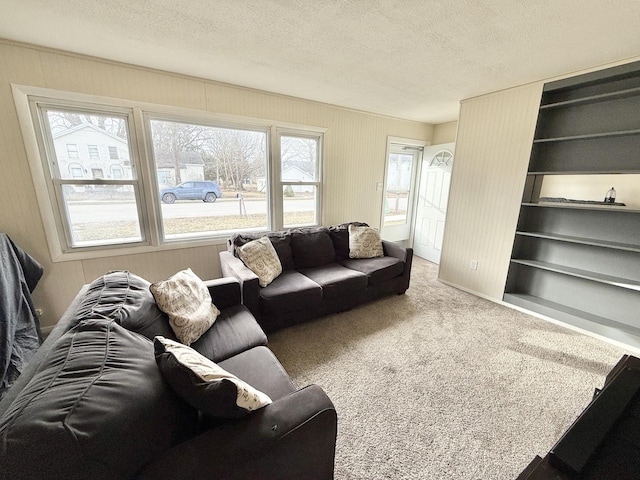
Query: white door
(433, 195)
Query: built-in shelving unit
(580, 262)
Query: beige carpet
(440, 384)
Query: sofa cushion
(340, 237)
(124, 297)
(290, 291)
(96, 408)
(261, 258)
(204, 384)
(312, 248)
(336, 281)
(281, 242)
(378, 270)
(234, 331)
(364, 242)
(187, 301)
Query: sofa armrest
(405, 254)
(232, 266)
(294, 437)
(225, 291)
(392, 249)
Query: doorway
(433, 195)
(403, 160)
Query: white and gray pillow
(204, 384)
(261, 258)
(364, 242)
(186, 300)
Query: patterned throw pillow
(186, 300)
(261, 258)
(364, 242)
(204, 384)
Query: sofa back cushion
(340, 237)
(97, 408)
(312, 247)
(125, 297)
(281, 243)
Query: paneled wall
(445, 133)
(355, 149)
(492, 154)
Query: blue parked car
(196, 190)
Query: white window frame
(279, 185)
(54, 182)
(94, 152)
(142, 162)
(114, 154)
(75, 151)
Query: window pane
(211, 179)
(101, 214)
(76, 138)
(299, 157)
(299, 205)
(398, 186)
(94, 153)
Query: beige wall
(355, 149)
(444, 133)
(493, 144)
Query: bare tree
(235, 155)
(299, 152)
(60, 121)
(176, 138)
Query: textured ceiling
(413, 59)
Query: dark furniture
(604, 442)
(92, 403)
(578, 263)
(20, 335)
(318, 276)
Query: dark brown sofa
(92, 403)
(318, 276)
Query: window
(225, 157)
(75, 170)
(72, 151)
(300, 178)
(87, 212)
(402, 162)
(117, 172)
(97, 172)
(113, 153)
(94, 153)
(172, 178)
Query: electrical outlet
(474, 265)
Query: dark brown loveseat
(92, 403)
(318, 276)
